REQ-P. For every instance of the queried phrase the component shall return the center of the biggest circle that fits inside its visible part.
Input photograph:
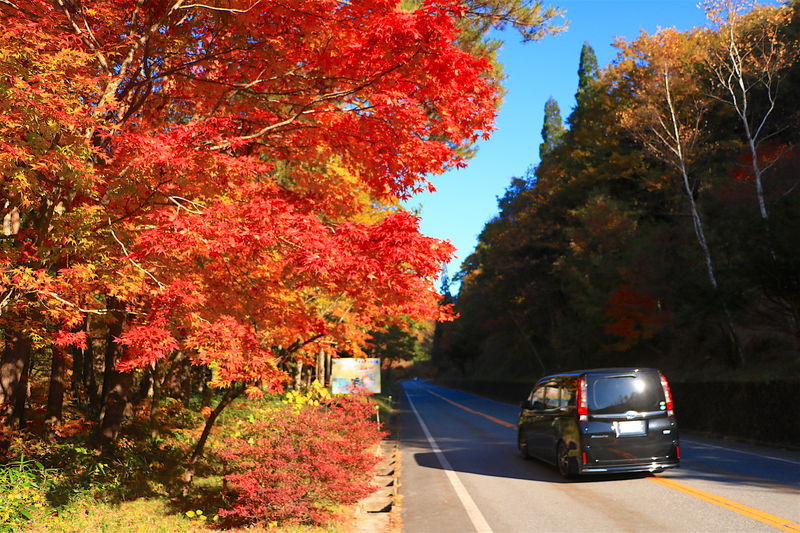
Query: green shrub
(23, 485)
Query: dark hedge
(761, 412)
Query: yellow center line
(771, 520)
(473, 411)
(765, 518)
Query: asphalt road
(460, 472)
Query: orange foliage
(230, 172)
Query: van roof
(598, 371)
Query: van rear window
(618, 394)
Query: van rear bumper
(653, 466)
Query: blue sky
(466, 199)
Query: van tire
(522, 446)
(566, 464)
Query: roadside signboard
(350, 375)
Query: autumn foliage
(219, 183)
(216, 169)
(300, 463)
(658, 227)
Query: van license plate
(630, 428)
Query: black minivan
(601, 421)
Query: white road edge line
(705, 445)
(478, 521)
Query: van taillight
(667, 395)
(582, 401)
(583, 458)
(678, 451)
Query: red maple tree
(221, 180)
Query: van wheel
(522, 446)
(566, 464)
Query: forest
(660, 226)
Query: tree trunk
(14, 368)
(208, 392)
(177, 372)
(116, 384)
(320, 369)
(55, 395)
(737, 352)
(298, 376)
(187, 385)
(23, 392)
(89, 376)
(155, 401)
(676, 146)
(77, 382)
(144, 388)
(188, 476)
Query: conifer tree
(587, 70)
(552, 129)
(587, 73)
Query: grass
(144, 515)
(69, 486)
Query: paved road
(461, 472)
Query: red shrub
(300, 463)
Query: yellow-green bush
(23, 484)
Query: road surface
(461, 472)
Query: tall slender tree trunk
(14, 368)
(77, 381)
(89, 374)
(730, 326)
(752, 67)
(55, 395)
(187, 385)
(208, 392)
(116, 384)
(328, 367)
(24, 393)
(681, 160)
(191, 464)
(155, 400)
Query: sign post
(349, 375)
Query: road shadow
(493, 453)
(510, 466)
(487, 452)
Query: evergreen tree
(552, 129)
(587, 70)
(587, 74)
(447, 296)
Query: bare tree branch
(127, 255)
